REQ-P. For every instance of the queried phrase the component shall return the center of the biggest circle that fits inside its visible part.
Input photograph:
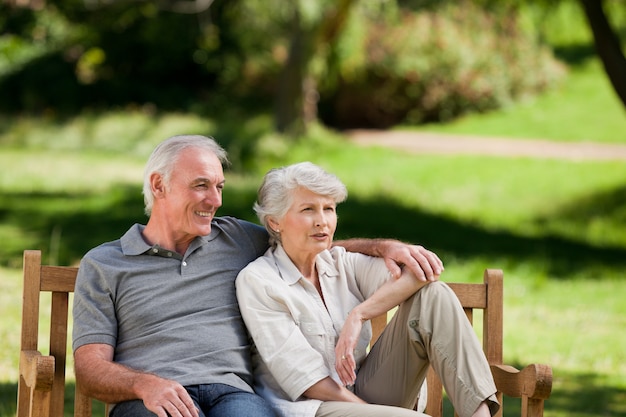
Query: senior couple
(196, 315)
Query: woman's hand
(345, 363)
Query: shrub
(433, 66)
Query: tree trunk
(607, 46)
(297, 97)
(289, 117)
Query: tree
(607, 45)
(296, 99)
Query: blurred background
(89, 87)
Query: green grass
(564, 280)
(557, 228)
(584, 108)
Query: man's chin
(204, 229)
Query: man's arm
(424, 264)
(110, 382)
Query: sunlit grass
(584, 108)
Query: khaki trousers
(346, 409)
(430, 328)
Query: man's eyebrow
(209, 180)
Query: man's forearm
(110, 382)
(371, 247)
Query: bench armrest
(534, 381)
(37, 370)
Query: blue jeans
(213, 400)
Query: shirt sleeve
(93, 309)
(277, 334)
(369, 272)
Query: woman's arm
(329, 390)
(389, 295)
(425, 264)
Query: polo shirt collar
(133, 243)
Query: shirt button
(155, 250)
(184, 263)
(169, 254)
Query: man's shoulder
(114, 248)
(234, 225)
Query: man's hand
(167, 398)
(110, 382)
(424, 264)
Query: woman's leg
(346, 409)
(428, 328)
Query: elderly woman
(307, 306)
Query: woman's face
(309, 224)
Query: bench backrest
(41, 387)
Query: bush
(433, 66)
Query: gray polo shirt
(171, 315)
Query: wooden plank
(58, 278)
(492, 319)
(30, 325)
(470, 295)
(434, 401)
(378, 325)
(58, 348)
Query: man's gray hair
(165, 156)
(275, 195)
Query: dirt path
(433, 143)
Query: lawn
(556, 228)
(564, 283)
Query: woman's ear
(274, 225)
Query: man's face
(194, 193)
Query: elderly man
(157, 327)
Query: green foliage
(434, 66)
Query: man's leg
(134, 408)
(219, 400)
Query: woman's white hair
(164, 158)
(276, 192)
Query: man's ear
(157, 185)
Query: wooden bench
(532, 384)
(41, 387)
